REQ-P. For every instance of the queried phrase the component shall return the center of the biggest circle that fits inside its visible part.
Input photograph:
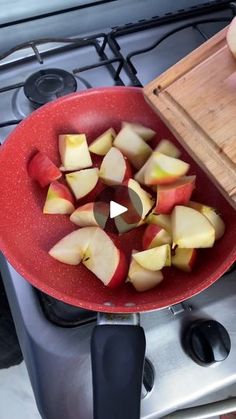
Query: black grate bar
(167, 35)
(11, 122)
(200, 31)
(37, 54)
(100, 64)
(11, 87)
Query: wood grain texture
(197, 100)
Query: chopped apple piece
(132, 146)
(59, 200)
(71, 248)
(83, 181)
(212, 216)
(143, 279)
(106, 261)
(144, 132)
(173, 194)
(115, 168)
(154, 259)
(231, 37)
(163, 169)
(163, 220)
(184, 259)
(168, 148)
(91, 214)
(42, 169)
(145, 198)
(103, 143)
(74, 152)
(154, 236)
(191, 229)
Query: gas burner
(49, 84)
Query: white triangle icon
(116, 209)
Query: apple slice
(154, 259)
(173, 194)
(154, 236)
(191, 229)
(115, 168)
(184, 259)
(74, 152)
(106, 261)
(83, 181)
(231, 37)
(163, 169)
(91, 214)
(59, 200)
(71, 248)
(145, 198)
(144, 132)
(42, 169)
(211, 214)
(103, 143)
(163, 220)
(143, 279)
(123, 226)
(168, 148)
(132, 146)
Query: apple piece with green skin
(231, 37)
(162, 220)
(191, 229)
(83, 181)
(59, 200)
(103, 143)
(74, 152)
(184, 259)
(132, 146)
(168, 148)
(42, 169)
(144, 132)
(115, 168)
(71, 248)
(143, 279)
(154, 236)
(163, 169)
(85, 215)
(211, 214)
(99, 252)
(154, 259)
(176, 193)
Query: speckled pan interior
(27, 234)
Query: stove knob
(207, 342)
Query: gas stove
(55, 337)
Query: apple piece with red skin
(71, 248)
(132, 146)
(168, 148)
(191, 229)
(59, 200)
(162, 220)
(184, 259)
(154, 259)
(145, 198)
(211, 214)
(115, 168)
(74, 152)
(99, 252)
(177, 193)
(102, 144)
(143, 279)
(82, 182)
(154, 236)
(145, 132)
(163, 169)
(231, 37)
(42, 169)
(91, 214)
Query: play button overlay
(121, 209)
(116, 209)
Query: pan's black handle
(118, 353)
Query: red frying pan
(27, 235)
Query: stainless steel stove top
(58, 358)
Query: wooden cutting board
(196, 98)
